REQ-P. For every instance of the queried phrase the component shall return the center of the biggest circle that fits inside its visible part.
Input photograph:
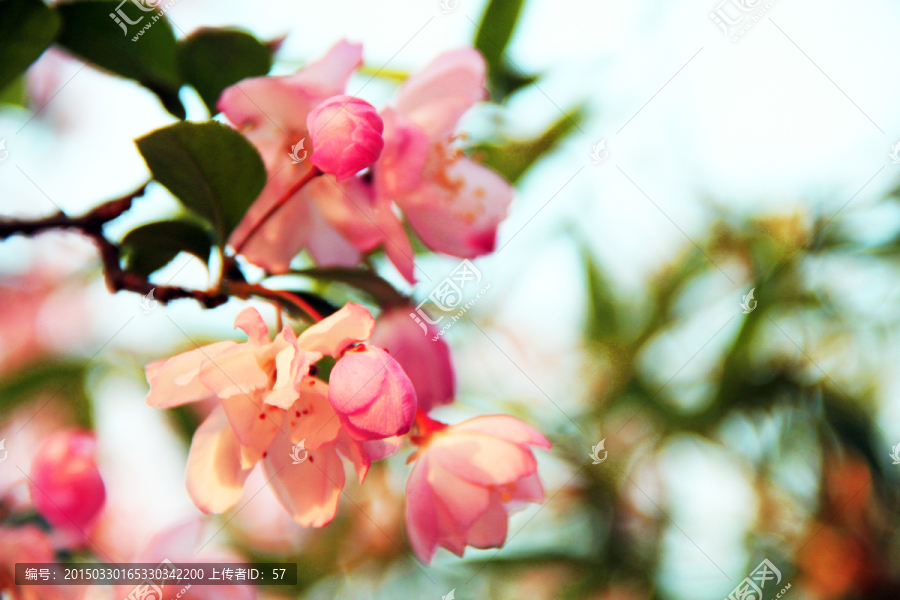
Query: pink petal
(236, 370)
(421, 513)
(406, 147)
(458, 212)
(175, 381)
(312, 418)
(437, 97)
(332, 335)
(253, 325)
(465, 501)
(291, 366)
(426, 363)
(346, 135)
(309, 490)
(353, 451)
(371, 394)
(286, 100)
(215, 477)
(254, 423)
(504, 427)
(490, 530)
(481, 459)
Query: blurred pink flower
(427, 363)
(346, 135)
(466, 480)
(66, 487)
(453, 203)
(297, 210)
(270, 402)
(29, 544)
(372, 395)
(182, 543)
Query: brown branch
(91, 225)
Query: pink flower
(426, 363)
(346, 135)
(66, 487)
(335, 221)
(30, 544)
(452, 203)
(270, 402)
(466, 481)
(371, 394)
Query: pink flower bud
(371, 394)
(66, 487)
(346, 135)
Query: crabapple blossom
(467, 479)
(346, 135)
(270, 400)
(335, 221)
(453, 203)
(426, 363)
(371, 394)
(65, 484)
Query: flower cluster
(341, 202)
(363, 166)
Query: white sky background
(754, 126)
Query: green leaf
(602, 314)
(14, 94)
(211, 168)
(90, 30)
(151, 247)
(60, 381)
(364, 280)
(27, 28)
(493, 36)
(214, 59)
(513, 158)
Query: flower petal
(175, 381)
(506, 428)
(309, 490)
(436, 97)
(253, 325)
(332, 335)
(481, 459)
(458, 212)
(215, 477)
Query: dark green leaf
(58, 381)
(319, 304)
(27, 27)
(96, 31)
(513, 158)
(151, 247)
(213, 59)
(210, 167)
(492, 38)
